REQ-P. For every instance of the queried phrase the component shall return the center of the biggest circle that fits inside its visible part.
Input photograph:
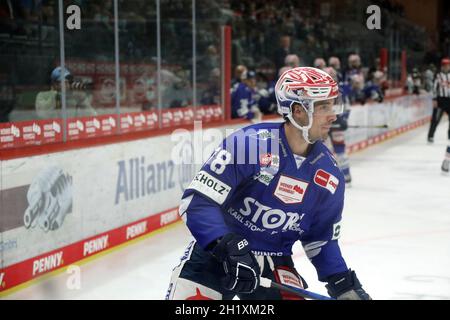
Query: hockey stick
(267, 283)
(378, 127)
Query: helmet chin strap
(303, 129)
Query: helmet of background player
(305, 86)
(249, 78)
(354, 61)
(335, 63)
(320, 63)
(59, 72)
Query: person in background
(238, 71)
(354, 79)
(211, 96)
(337, 135)
(48, 104)
(7, 93)
(320, 63)
(292, 60)
(441, 98)
(284, 49)
(372, 89)
(179, 93)
(335, 63)
(265, 94)
(243, 104)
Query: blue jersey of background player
(265, 187)
(243, 103)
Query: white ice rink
(396, 234)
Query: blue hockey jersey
(242, 101)
(255, 186)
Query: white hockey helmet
(305, 86)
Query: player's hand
(241, 268)
(346, 286)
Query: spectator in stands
(211, 96)
(292, 61)
(284, 48)
(265, 94)
(48, 104)
(7, 94)
(354, 66)
(372, 88)
(11, 14)
(210, 60)
(179, 93)
(357, 94)
(320, 63)
(354, 80)
(335, 63)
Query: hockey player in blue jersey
(265, 187)
(243, 103)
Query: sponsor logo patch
(269, 160)
(210, 186)
(265, 159)
(289, 278)
(290, 190)
(336, 231)
(263, 135)
(326, 180)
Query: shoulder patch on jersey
(326, 180)
(317, 158)
(210, 186)
(263, 134)
(290, 190)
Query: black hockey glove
(240, 265)
(346, 286)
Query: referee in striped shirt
(441, 104)
(441, 98)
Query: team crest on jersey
(269, 159)
(263, 135)
(265, 159)
(270, 164)
(290, 190)
(326, 180)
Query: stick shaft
(297, 291)
(380, 126)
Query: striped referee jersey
(441, 85)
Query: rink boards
(60, 208)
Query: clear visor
(326, 107)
